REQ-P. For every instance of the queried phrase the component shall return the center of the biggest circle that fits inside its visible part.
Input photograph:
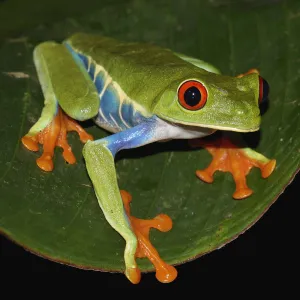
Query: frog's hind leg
(68, 92)
(164, 272)
(99, 158)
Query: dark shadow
(87, 123)
(252, 139)
(264, 106)
(155, 148)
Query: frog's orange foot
(164, 273)
(55, 134)
(227, 157)
(251, 71)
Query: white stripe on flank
(121, 102)
(121, 117)
(102, 115)
(90, 62)
(115, 122)
(97, 71)
(107, 82)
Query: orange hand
(251, 71)
(229, 158)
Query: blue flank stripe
(85, 60)
(127, 110)
(110, 103)
(131, 116)
(92, 70)
(100, 82)
(109, 106)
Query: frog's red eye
(192, 95)
(263, 90)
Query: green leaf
(56, 214)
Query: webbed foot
(227, 157)
(164, 273)
(55, 134)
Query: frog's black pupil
(192, 96)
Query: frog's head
(214, 101)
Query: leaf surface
(56, 214)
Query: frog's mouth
(226, 127)
(229, 128)
(192, 128)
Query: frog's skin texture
(138, 92)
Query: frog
(142, 93)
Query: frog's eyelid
(225, 92)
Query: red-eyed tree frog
(142, 94)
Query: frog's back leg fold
(199, 63)
(66, 84)
(64, 77)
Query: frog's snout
(263, 91)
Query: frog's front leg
(231, 155)
(99, 157)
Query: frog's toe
(72, 125)
(69, 157)
(164, 272)
(133, 274)
(204, 176)
(242, 193)
(30, 143)
(45, 162)
(162, 223)
(268, 168)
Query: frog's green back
(143, 71)
(150, 77)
